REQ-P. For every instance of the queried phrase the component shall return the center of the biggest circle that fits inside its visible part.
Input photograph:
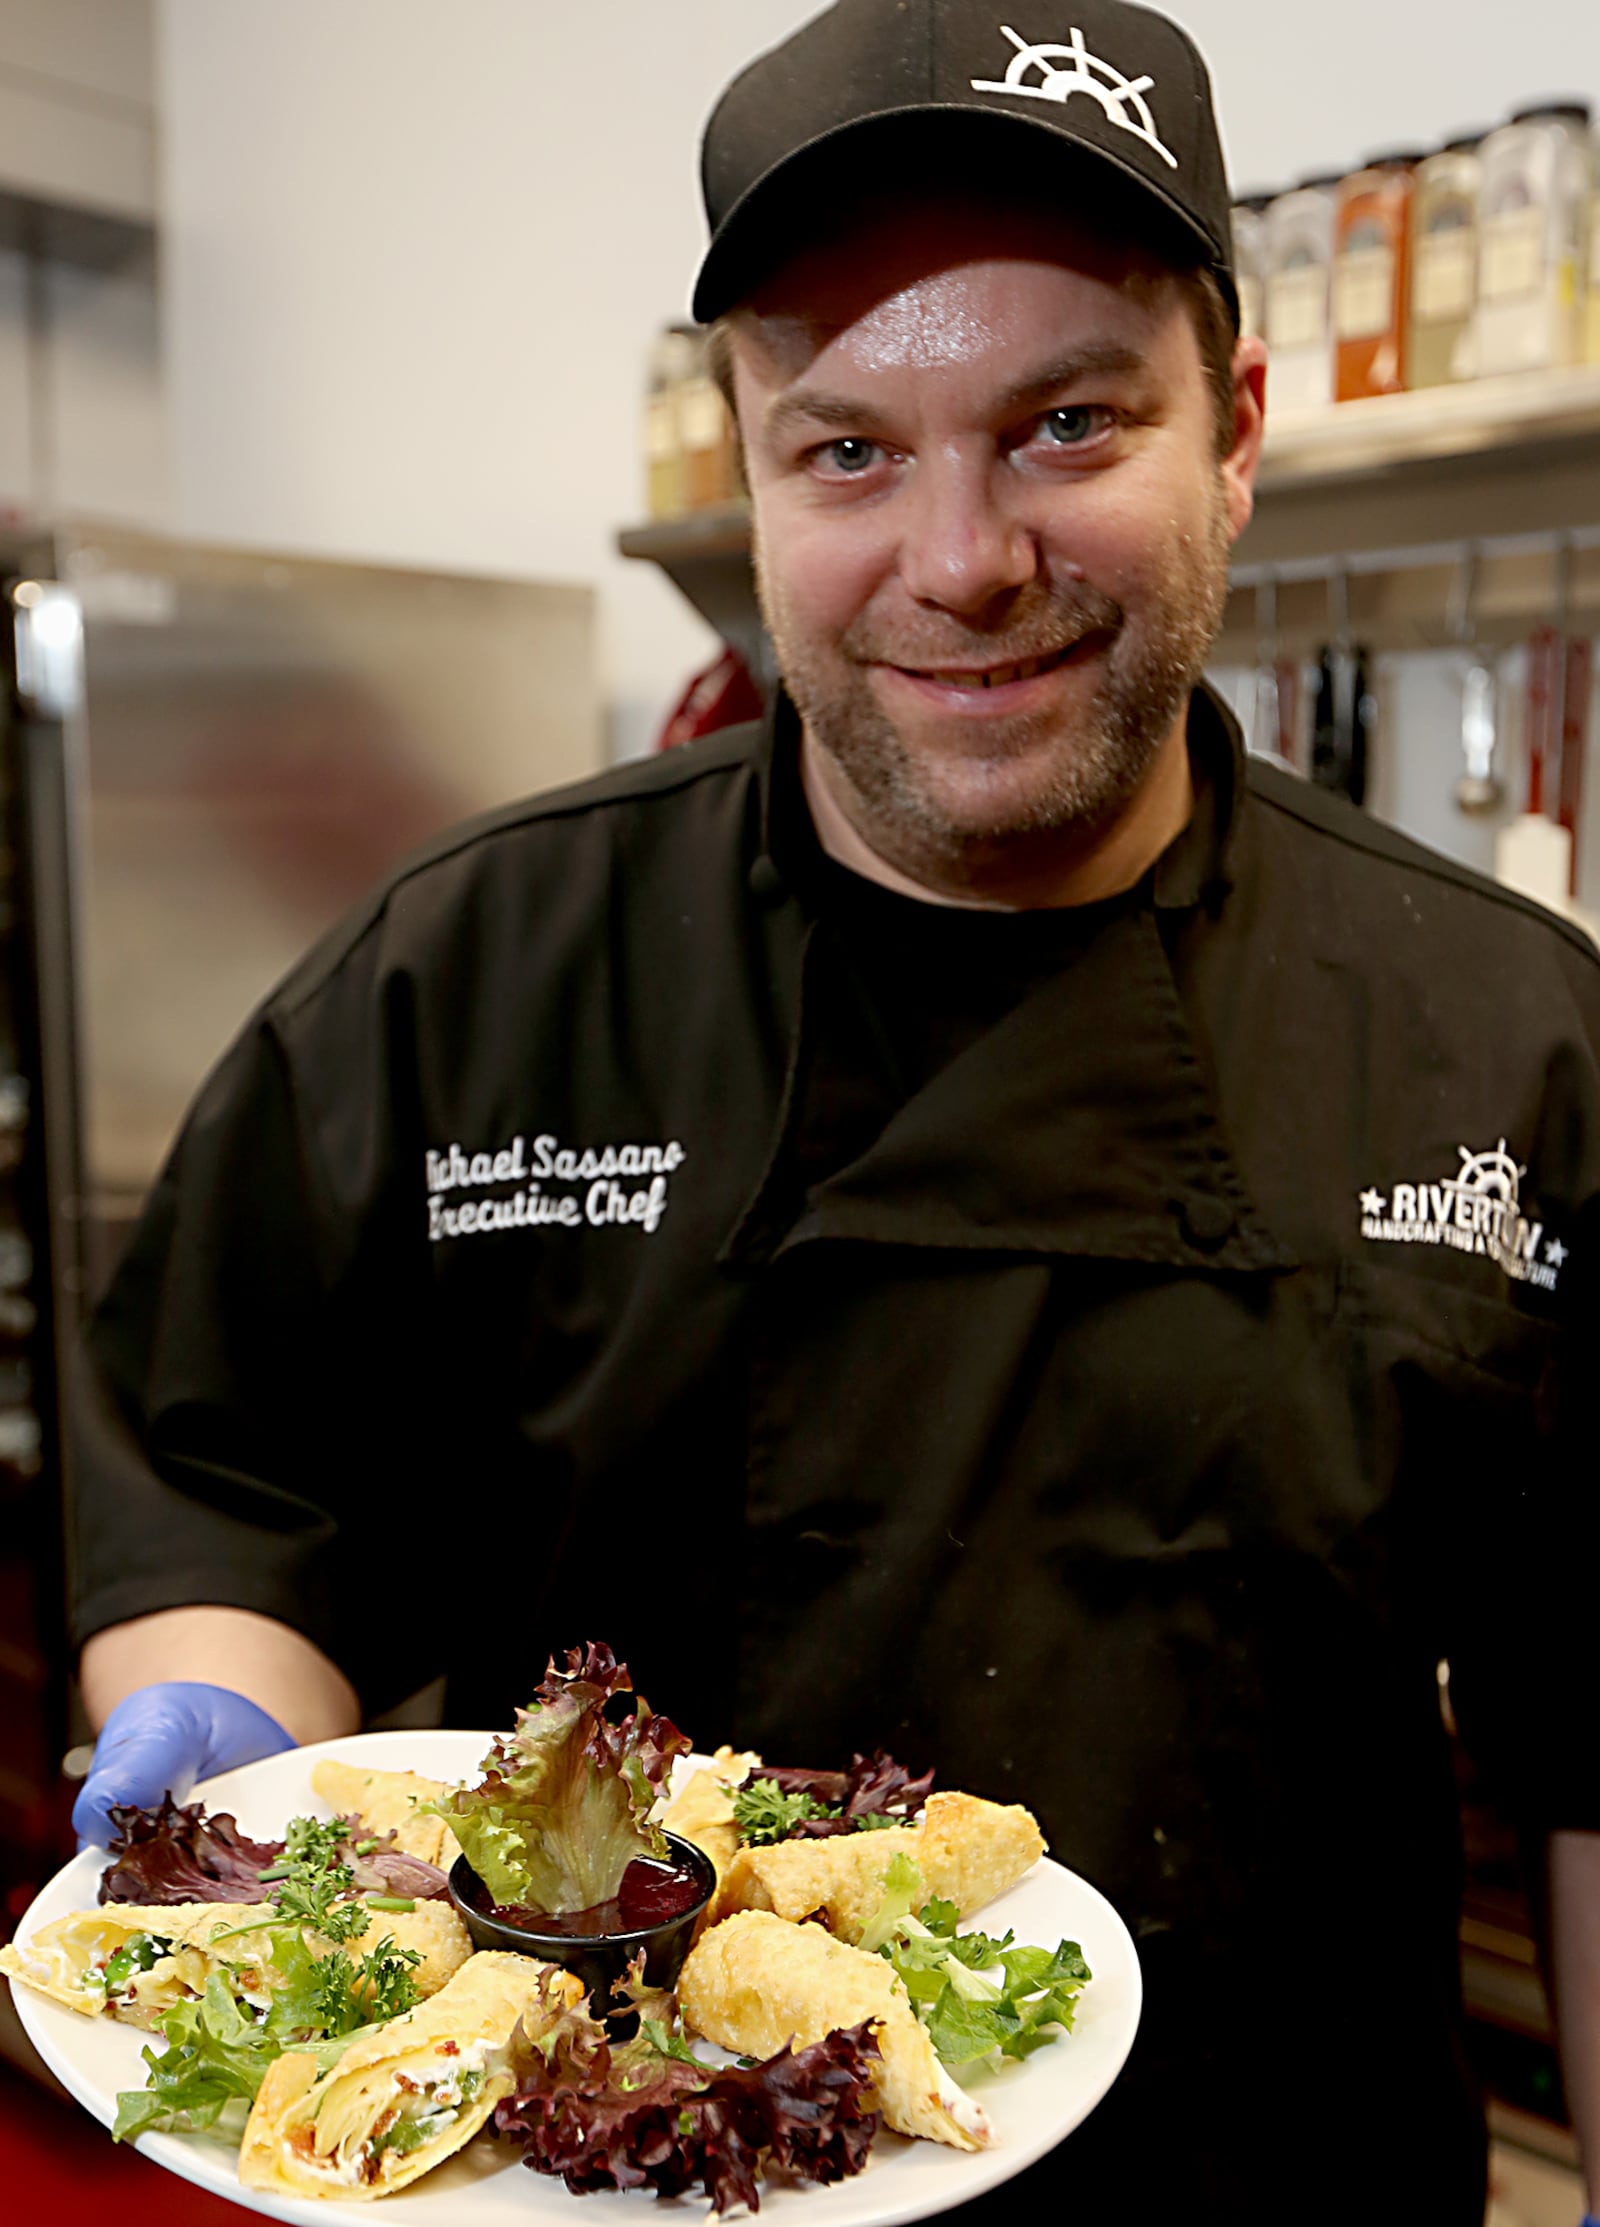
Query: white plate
(1032, 2106)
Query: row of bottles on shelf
(1416, 270)
(690, 457)
(1420, 269)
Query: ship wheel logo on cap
(1122, 98)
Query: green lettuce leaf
(563, 1807)
(902, 1890)
(980, 1996)
(216, 2054)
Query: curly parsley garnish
(764, 1814)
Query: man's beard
(1087, 763)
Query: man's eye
(849, 456)
(1072, 425)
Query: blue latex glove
(160, 1740)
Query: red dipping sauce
(651, 1892)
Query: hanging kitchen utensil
(1345, 708)
(1478, 788)
(1266, 710)
(1576, 699)
(1534, 854)
(1291, 692)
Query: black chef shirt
(1118, 1382)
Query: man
(965, 1220)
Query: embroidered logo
(1478, 1210)
(549, 1184)
(1065, 70)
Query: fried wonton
(389, 1802)
(757, 1984)
(967, 1850)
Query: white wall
(416, 257)
(1304, 87)
(416, 254)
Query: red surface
(60, 2168)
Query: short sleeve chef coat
(1127, 1422)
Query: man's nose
(964, 546)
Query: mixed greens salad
(218, 2046)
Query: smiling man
(992, 565)
(965, 1219)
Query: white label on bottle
(1363, 293)
(1442, 281)
(1297, 306)
(1513, 253)
(701, 415)
(660, 438)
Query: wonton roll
(135, 1963)
(757, 1984)
(389, 1802)
(404, 2096)
(967, 1850)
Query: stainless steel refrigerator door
(259, 739)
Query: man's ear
(1249, 424)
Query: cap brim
(778, 214)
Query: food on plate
(980, 1998)
(136, 1963)
(320, 1994)
(646, 2112)
(403, 2096)
(778, 1803)
(756, 1982)
(967, 1850)
(180, 1854)
(564, 1805)
(702, 1808)
(389, 1802)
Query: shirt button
(765, 882)
(1206, 1222)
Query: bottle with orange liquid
(1371, 277)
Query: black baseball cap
(1113, 96)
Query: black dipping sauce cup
(600, 1960)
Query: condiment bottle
(1372, 257)
(1533, 213)
(1298, 234)
(1250, 261)
(706, 434)
(1592, 306)
(666, 483)
(1444, 264)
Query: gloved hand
(160, 1740)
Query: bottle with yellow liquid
(1532, 220)
(1444, 263)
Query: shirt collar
(1192, 871)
